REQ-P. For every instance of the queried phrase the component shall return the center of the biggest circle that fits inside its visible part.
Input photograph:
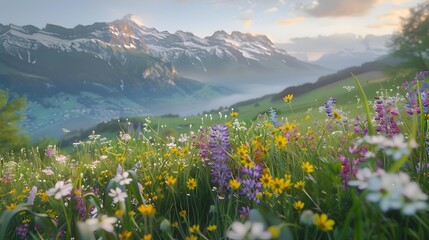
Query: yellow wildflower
(288, 98)
(192, 237)
(234, 114)
(279, 185)
(125, 235)
(147, 236)
(268, 194)
(266, 180)
(170, 180)
(11, 206)
(299, 184)
(275, 231)
(337, 115)
(182, 213)
(323, 222)
(191, 183)
(247, 162)
(307, 167)
(234, 184)
(147, 209)
(194, 228)
(212, 228)
(131, 213)
(175, 224)
(119, 212)
(298, 205)
(281, 141)
(44, 197)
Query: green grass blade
(366, 105)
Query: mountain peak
(133, 18)
(220, 34)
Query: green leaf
(366, 105)
(108, 201)
(135, 187)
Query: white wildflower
(123, 178)
(105, 223)
(117, 195)
(248, 230)
(60, 190)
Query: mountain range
(339, 51)
(106, 70)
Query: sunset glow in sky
(280, 20)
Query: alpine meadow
(175, 136)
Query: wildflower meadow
(334, 174)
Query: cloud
(291, 21)
(271, 10)
(338, 8)
(333, 42)
(391, 20)
(395, 15)
(247, 22)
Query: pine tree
(11, 137)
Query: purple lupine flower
(22, 231)
(328, 106)
(250, 182)
(216, 156)
(80, 206)
(139, 130)
(412, 102)
(32, 195)
(421, 75)
(273, 118)
(119, 170)
(386, 112)
(130, 128)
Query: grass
(300, 175)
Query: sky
(280, 20)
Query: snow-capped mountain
(221, 56)
(148, 69)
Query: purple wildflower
(328, 106)
(32, 195)
(350, 164)
(273, 117)
(80, 206)
(422, 75)
(119, 170)
(216, 156)
(50, 151)
(130, 128)
(412, 102)
(22, 231)
(139, 130)
(359, 126)
(250, 182)
(244, 212)
(386, 112)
